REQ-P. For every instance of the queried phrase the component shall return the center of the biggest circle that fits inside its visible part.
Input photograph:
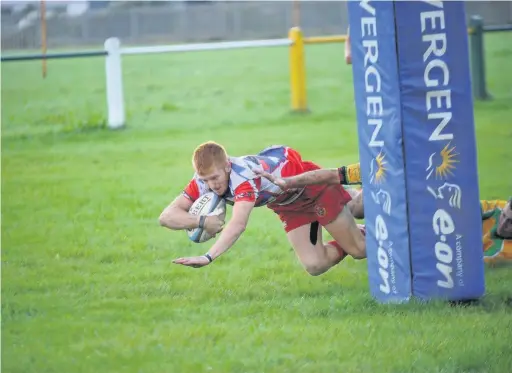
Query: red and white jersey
(245, 185)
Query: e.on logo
(381, 234)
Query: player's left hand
(279, 181)
(193, 261)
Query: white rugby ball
(208, 204)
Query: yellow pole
(297, 71)
(43, 35)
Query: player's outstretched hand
(280, 182)
(193, 261)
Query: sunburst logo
(378, 169)
(445, 162)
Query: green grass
(88, 283)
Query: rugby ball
(207, 204)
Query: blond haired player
(303, 211)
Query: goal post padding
(417, 149)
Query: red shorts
(321, 203)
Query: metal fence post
(476, 35)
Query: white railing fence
(114, 74)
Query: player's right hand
(280, 182)
(213, 224)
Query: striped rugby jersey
(245, 185)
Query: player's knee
(314, 269)
(358, 255)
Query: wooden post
(43, 35)
(296, 13)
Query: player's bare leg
(315, 256)
(347, 234)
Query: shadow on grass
(335, 302)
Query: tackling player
(496, 214)
(324, 176)
(303, 211)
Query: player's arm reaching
(228, 237)
(346, 175)
(234, 229)
(242, 208)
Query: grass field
(87, 279)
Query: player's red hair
(207, 156)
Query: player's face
(217, 179)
